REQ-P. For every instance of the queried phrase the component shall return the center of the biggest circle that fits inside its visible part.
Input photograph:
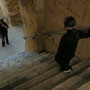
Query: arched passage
(15, 33)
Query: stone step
(76, 81)
(31, 73)
(17, 59)
(11, 70)
(86, 86)
(42, 77)
(48, 64)
(61, 77)
(28, 64)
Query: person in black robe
(4, 32)
(68, 43)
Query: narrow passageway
(17, 43)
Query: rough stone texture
(83, 49)
(55, 13)
(14, 12)
(40, 23)
(68, 83)
(40, 14)
(29, 12)
(1, 13)
(85, 87)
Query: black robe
(69, 42)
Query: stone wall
(40, 23)
(55, 13)
(14, 12)
(43, 16)
(40, 14)
(33, 18)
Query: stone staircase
(41, 72)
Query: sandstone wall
(40, 14)
(43, 16)
(55, 13)
(40, 23)
(33, 23)
(14, 10)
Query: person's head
(69, 22)
(2, 20)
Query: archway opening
(15, 31)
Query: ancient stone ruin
(43, 28)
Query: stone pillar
(28, 10)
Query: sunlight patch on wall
(4, 9)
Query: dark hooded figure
(4, 32)
(4, 23)
(68, 44)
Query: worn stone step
(38, 79)
(36, 70)
(43, 77)
(86, 76)
(29, 64)
(86, 86)
(32, 57)
(74, 82)
(59, 78)
(34, 74)
(15, 68)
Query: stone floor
(17, 43)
